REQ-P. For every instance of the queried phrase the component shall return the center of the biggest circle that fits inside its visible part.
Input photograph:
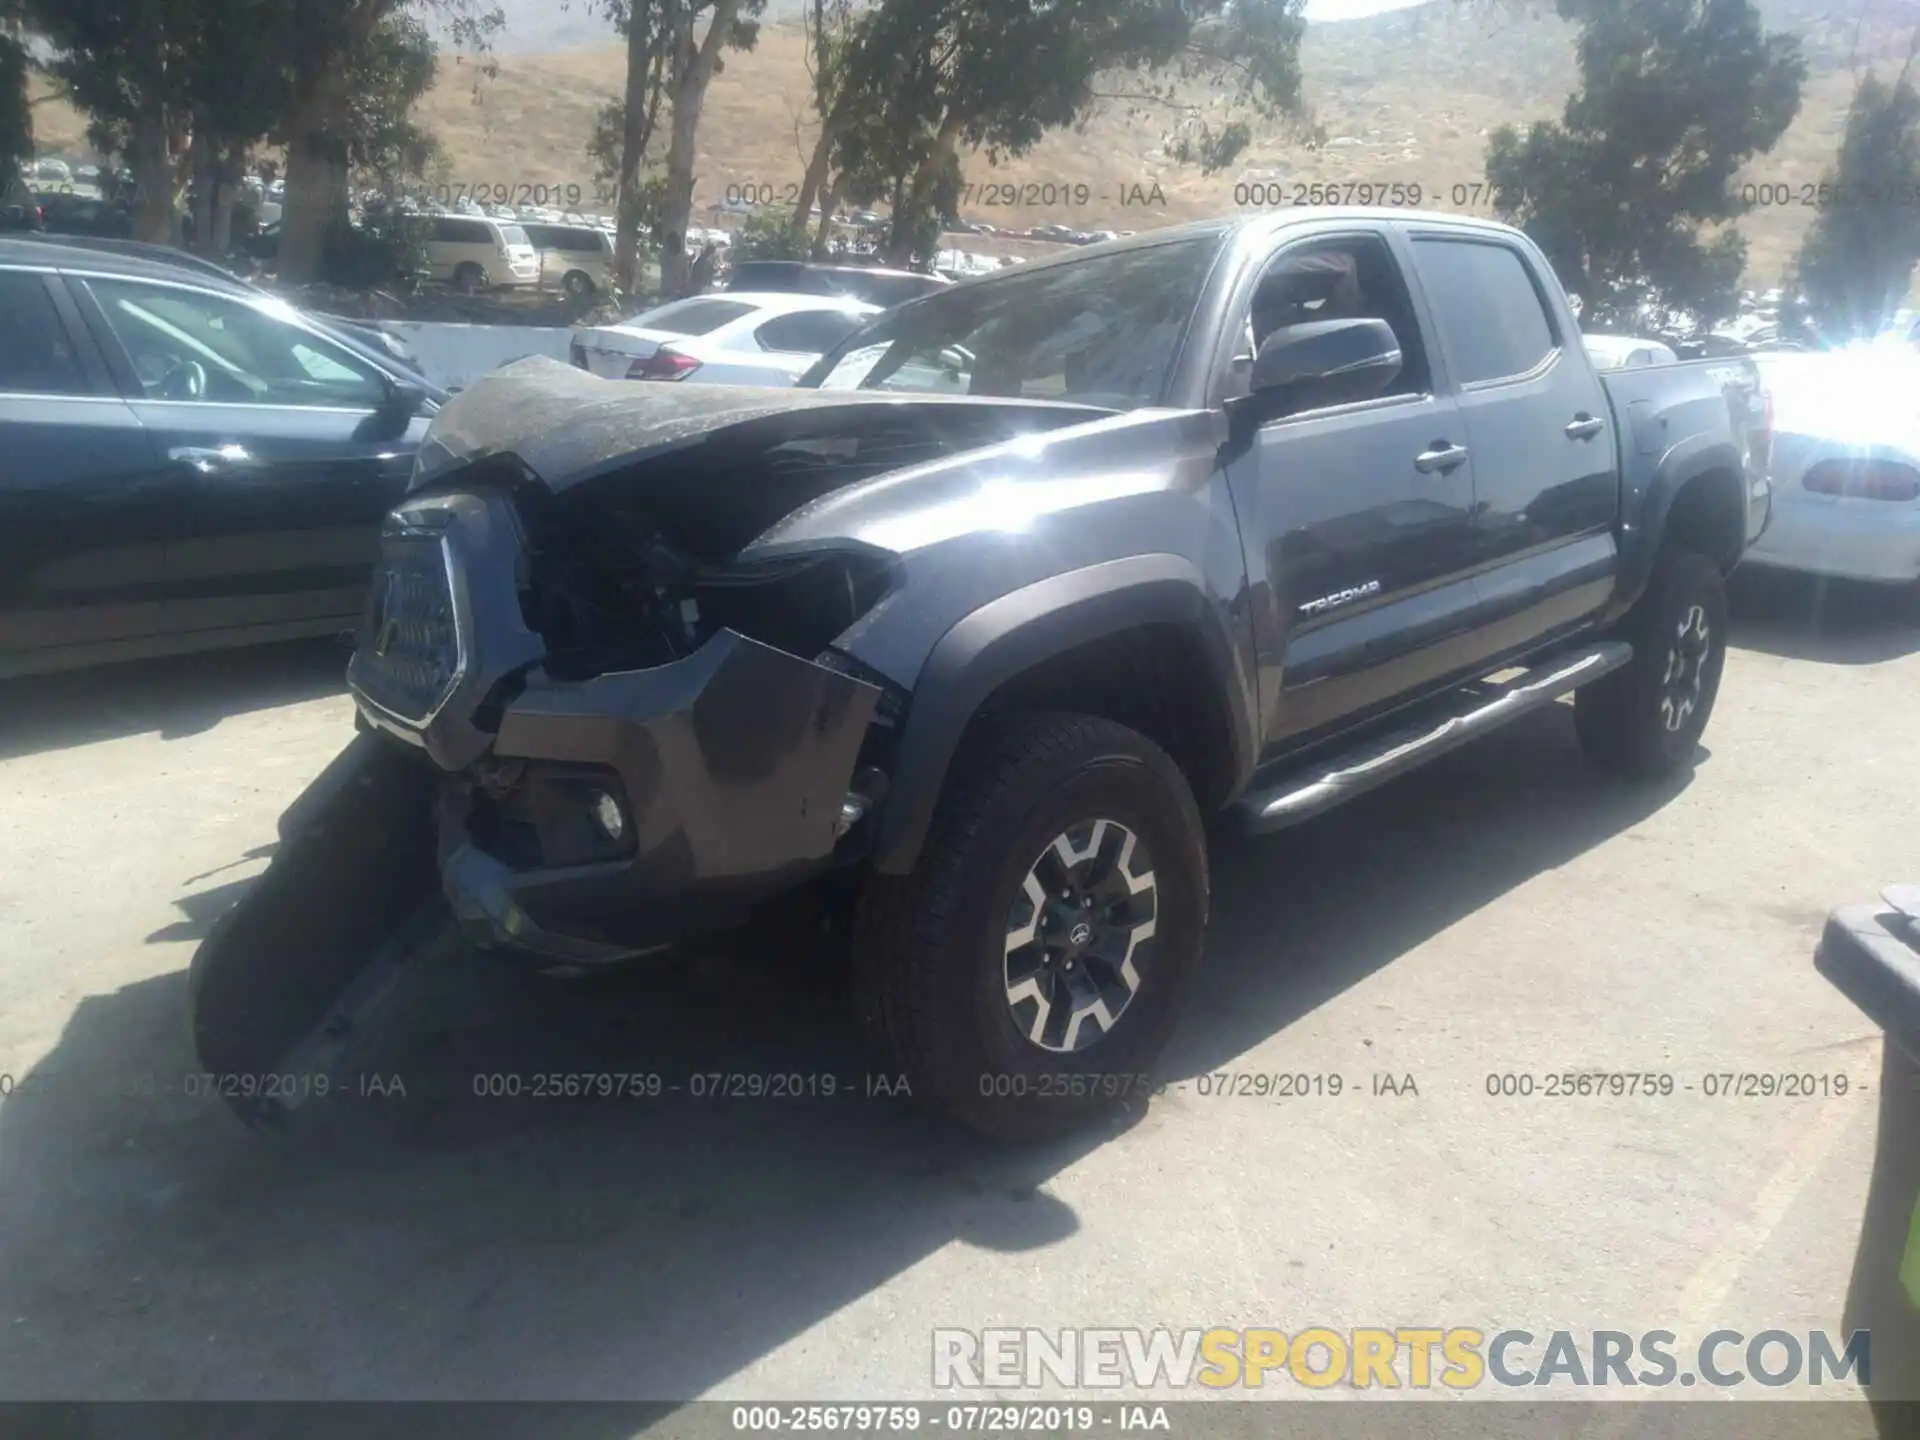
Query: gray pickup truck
(978, 631)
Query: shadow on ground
(176, 697)
(449, 1244)
(1830, 622)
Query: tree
(693, 58)
(333, 49)
(129, 65)
(1631, 193)
(921, 79)
(16, 113)
(625, 128)
(1858, 259)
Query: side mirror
(1323, 362)
(395, 411)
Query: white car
(1846, 464)
(727, 338)
(1626, 352)
(473, 253)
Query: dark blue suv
(185, 462)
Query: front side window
(1102, 331)
(190, 345)
(1350, 277)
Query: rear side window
(694, 317)
(38, 356)
(461, 232)
(811, 332)
(1493, 324)
(541, 237)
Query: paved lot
(1504, 911)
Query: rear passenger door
(1545, 468)
(84, 521)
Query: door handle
(213, 459)
(1440, 456)
(1585, 427)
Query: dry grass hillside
(1409, 96)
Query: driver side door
(260, 427)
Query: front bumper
(1872, 955)
(727, 768)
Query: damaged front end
(601, 727)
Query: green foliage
(767, 236)
(1859, 257)
(16, 115)
(1631, 193)
(385, 79)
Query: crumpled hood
(568, 426)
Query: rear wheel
(1028, 973)
(469, 278)
(577, 285)
(1646, 718)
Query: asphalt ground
(1506, 912)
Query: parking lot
(1504, 912)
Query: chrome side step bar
(1474, 712)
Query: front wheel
(577, 285)
(1646, 718)
(1028, 973)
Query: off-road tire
(1645, 720)
(930, 949)
(469, 278)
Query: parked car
(730, 338)
(1232, 520)
(141, 250)
(1626, 352)
(185, 463)
(473, 253)
(85, 215)
(859, 282)
(52, 171)
(1846, 465)
(574, 258)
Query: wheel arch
(1135, 640)
(1697, 497)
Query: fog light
(606, 814)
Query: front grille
(408, 656)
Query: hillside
(1407, 96)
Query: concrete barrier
(454, 356)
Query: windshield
(514, 235)
(1104, 330)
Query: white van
(577, 259)
(473, 253)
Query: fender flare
(1698, 458)
(1010, 635)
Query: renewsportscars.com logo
(1389, 1358)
